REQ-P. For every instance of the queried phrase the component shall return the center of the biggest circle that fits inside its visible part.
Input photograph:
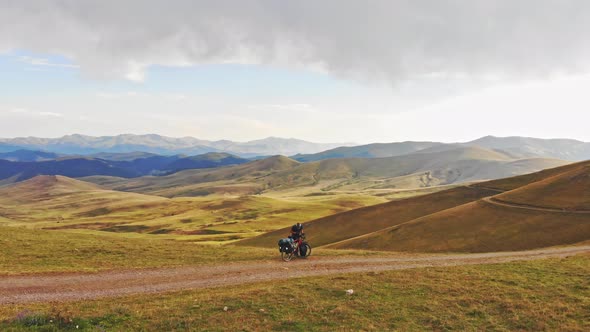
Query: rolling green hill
(61, 203)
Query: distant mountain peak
(154, 143)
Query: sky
(323, 71)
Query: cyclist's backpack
(286, 245)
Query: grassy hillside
(569, 190)
(361, 221)
(51, 198)
(485, 226)
(478, 227)
(60, 203)
(511, 183)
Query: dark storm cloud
(393, 40)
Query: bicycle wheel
(286, 256)
(308, 251)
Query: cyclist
(296, 233)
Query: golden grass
(60, 203)
(485, 227)
(478, 227)
(34, 251)
(569, 190)
(523, 180)
(39, 251)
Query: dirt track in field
(496, 201)
(79, 286)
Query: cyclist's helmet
(299, 225)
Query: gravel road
(82, 286)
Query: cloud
(51, 114)
(394, 40)
(136, 94)
(19, 110)
(176, 96)
(284, 107)
(111, 95)
(44, 62)
(34, 113)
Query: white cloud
(33, 113)
(135, 72)
(51, 114)
(112, 95)
(44, 62)
(19, 110)
(176, 96)
(284, 107)
(440, 56)
(395, 40)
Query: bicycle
(288, 252)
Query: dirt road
(496, 201)
(77, 286)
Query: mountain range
(128, 144)
(151, 143)
(374, 166)
(516, 147)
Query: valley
(294, 166)
(212, 228)
(61, 203)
